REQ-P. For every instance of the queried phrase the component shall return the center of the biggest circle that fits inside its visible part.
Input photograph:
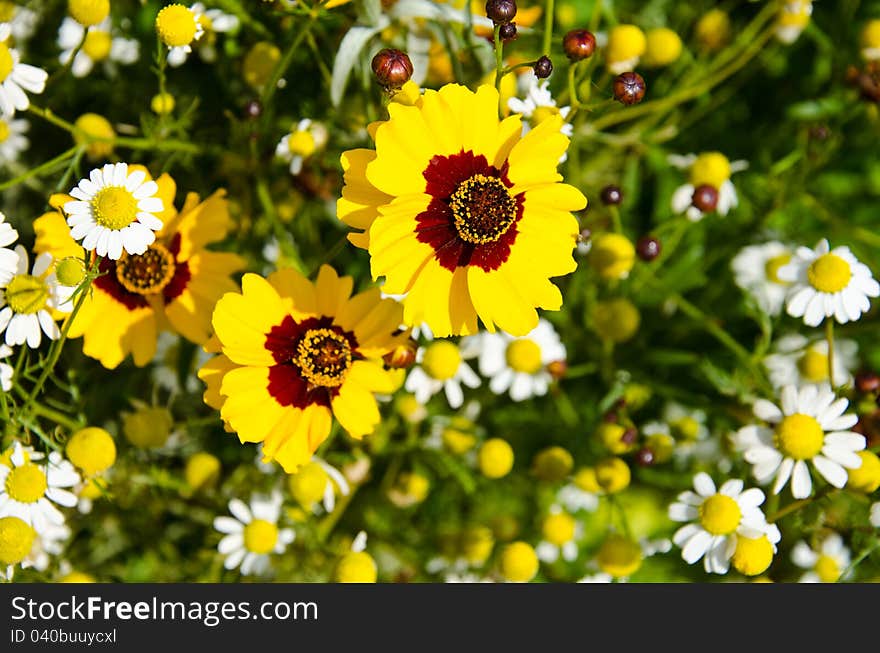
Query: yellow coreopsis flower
(294, 355)
(462, 213)
(172, 286)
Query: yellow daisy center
(559, 528)
(6, 62)
(482, 209)
(771, 268)
(625, 42)
(540, 114)
(619, 556)
(91, 449)
(114, 207)
(356, 567)
(323, 357)
(442, 360)
(89, 12)
(308, 485)
(495, 458)
(519, 564)
(799, 436)
(720, 515)
(27, 294)
(26, 483)
(829, 273)
(524, 355)
(813, 366)
(97, 45)
(4, 130)
(176, 25)
(260, 536)
(686, 427)
(147, 273)
(206, 22)
(16, 539)
(301, 143)
(710, 169)
(827, 569)
(752, 556)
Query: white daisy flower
(21, 20)
(29, 487)
(620, 557)
(810, 427)
(518, 365)
(47, 544)
(213, 21)
(797, 361)
(100, 46)
(115, 210)
(27, 301)
(12, 140)
(16, 77)
(793, 19)
(706, 169)
(179, 27)
(8, 258)
(827, 282)
(875, 514)
(538, 104)
(6, 370)
(306, 138)
(826, 565)
(755, 270)
(441, 366)
(561, 532)
(717, 518)
(252, 533)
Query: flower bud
(70, 271)
(648, 248)
(507, 32)
(543, 67)
(392, 68)
(612, 195)
(501, 11)
(867, 382)
(705, 198)
(629, 88)
(403, 356)
(557, 369)
(579, 44)
(253, 109)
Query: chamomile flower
(12, 139)
(6, 370)
(619, 557)
(318, 481)
(755, 270)
(797, 361)
(16, 77)
(716, 519)
(539, 105)
(825, 564)
(711, 169)
(306, 138)
(21, 20)
(115, 210)
(30, 486)
(213, 21)
(99, 47)
(17, 537)
(793, 18)
(27, 301)
(810, 426)
(252, 533)
(560, 533)
(519, 365)
(178, 27)
(357, 566)
(581, 493)
(827, 282)
(870, 40)
(441, 366)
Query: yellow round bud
(16, 540)
(441, 360)
(713, 30)
(616, 320)
(458, 442)
(518, 563)
(495, 458)
(637, 395)
(552, 464)
(870, 40)
(77, 577)
(752, 556)
(202, 471)
(259, 64)
(612, 255)
(356, 567)
(476, 544)
(308, 484)
(661, 445)
(626, 43)
(90, 126)
(663, 47)
(162, 103)
(70, 271)
(89, 12)
(414, 486)
(613, 475)
(176, 25)
(558, 528)
(585, 478)
(619, 556)
(148, 427)
(615, 438)
(710, 169)
(867, 477)
(91, 449)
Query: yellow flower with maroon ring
(302, 353)
(172, 285)
(462, 213)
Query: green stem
(45, 167)
(548, 28)
(284, 64)
(829, 336)
(855, 563)
(56, 416)
(327, 524)
(161, 61)
(62, 71)
(499, 64)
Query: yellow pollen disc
(301, 143)
(813, 366)
(89, 12)
(147, 273)
(114, 207)
(4, 130)
(799, 436)
(540, 114)
(720, 515)
(176, 25)
(323, 357)
(97, 45)
(827, 569)
(619, 556)
(524, 355)
(26, 294)
(710, 169)
(482, 209)
(771, 268)
(559, 528)
(6, 62)
(829, 273)
(16, 540)
(260, 536)
(442, 360)
(27, 483)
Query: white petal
(830, 471)
(801, 484)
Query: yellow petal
(242, 321)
